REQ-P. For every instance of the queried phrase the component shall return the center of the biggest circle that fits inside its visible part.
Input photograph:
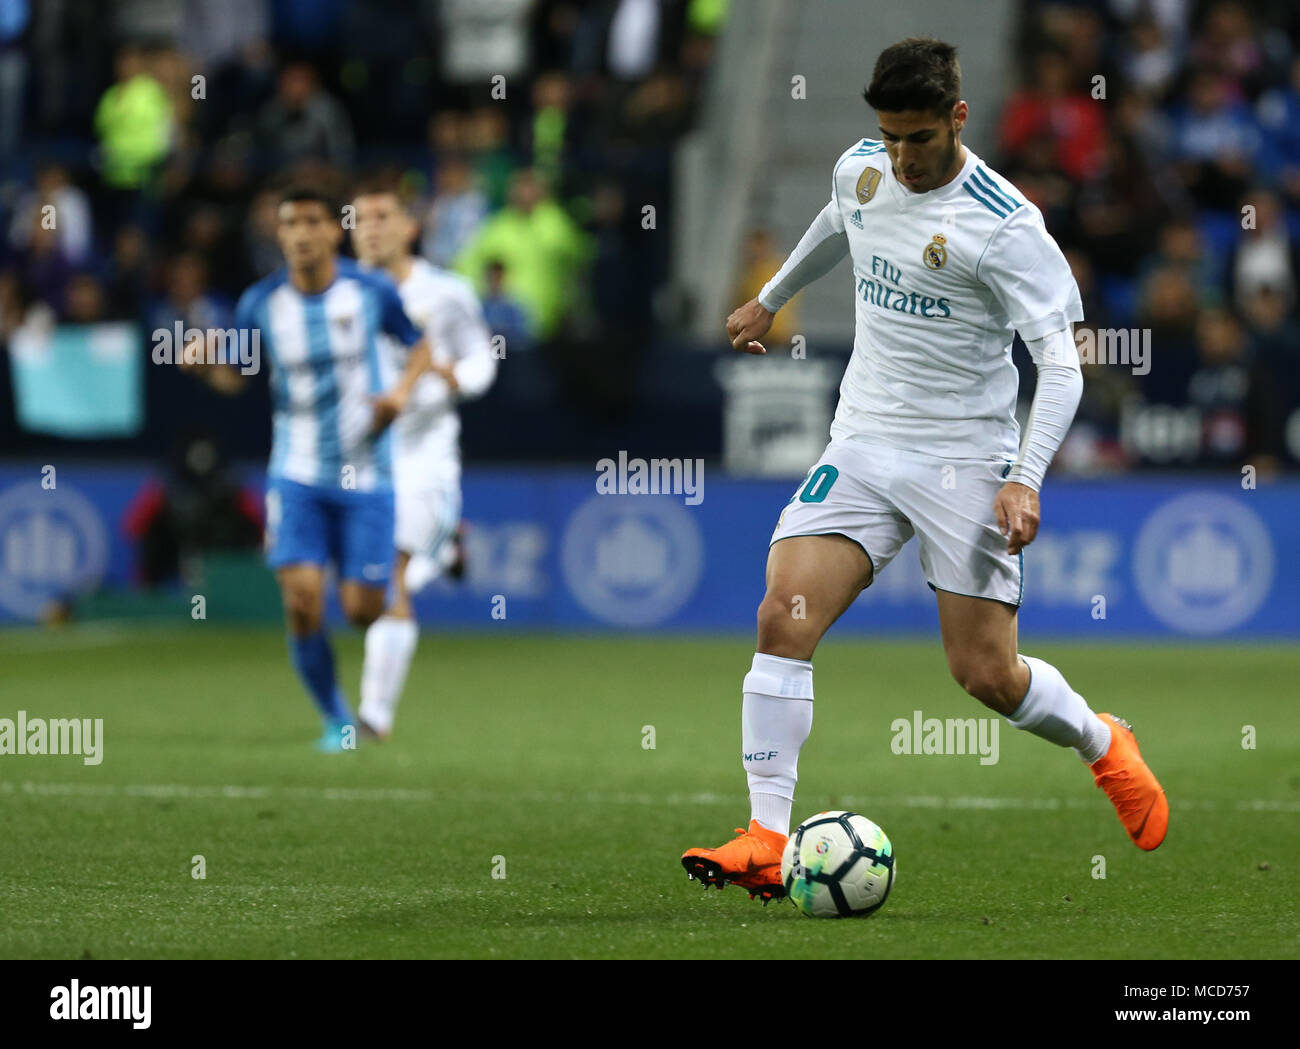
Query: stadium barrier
(1115, 559)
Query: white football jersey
(446, 309)
(941, 281)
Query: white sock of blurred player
(775, 718)
(390, 647)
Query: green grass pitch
(532, 749)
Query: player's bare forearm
(747, 325)
(1017, 511)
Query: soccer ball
(838, 865)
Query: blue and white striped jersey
(327, 362)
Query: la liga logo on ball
(838, 865)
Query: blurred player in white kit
(426, 450)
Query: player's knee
(782, 631)
(362, 609)
(302, 608)
(991, 683)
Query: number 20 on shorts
(818, 484)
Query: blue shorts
(310, 525)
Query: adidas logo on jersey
(856, 218)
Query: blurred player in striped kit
(330, 331)
(426, 451)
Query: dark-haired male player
(949, 261)
(334, 392)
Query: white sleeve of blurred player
(471, 344)
(816, 254)
(1060, 385)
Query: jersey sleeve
(475, 367)
(1056, 398)
(818, 251)
(392, 315)
(1024, 268)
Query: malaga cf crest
(867, 183)
(935, 254)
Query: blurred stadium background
(615, 176)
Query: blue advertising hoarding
(1119, 558)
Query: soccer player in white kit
(949, 261)
(426, 450)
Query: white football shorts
(880, 496)
(426, 517)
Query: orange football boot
(751, 860)
(1132, 787)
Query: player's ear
(959, 114)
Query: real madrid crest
(935, 254)
(867, 183)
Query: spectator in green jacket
(134, 123)
(542, 249)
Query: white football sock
(390, 645)
(775, 720)
(1053, 710)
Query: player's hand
(747, 325)
(387, 407)
(1016, 508)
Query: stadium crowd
(528, 134)
(1161, 138)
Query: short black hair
(918, 73)
(308, 194)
